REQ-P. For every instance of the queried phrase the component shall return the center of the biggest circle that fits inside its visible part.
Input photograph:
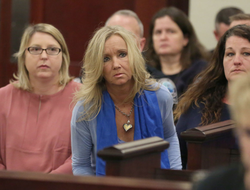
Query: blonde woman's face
(236, 58)
(43, 67)
(116, 68)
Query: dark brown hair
(193, 50)
(224, 14)
(211, 84)
(240, 16)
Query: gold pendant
(127, 126)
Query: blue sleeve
(82, 143)
(165, 102)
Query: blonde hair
(22, 76)
(93, 80)
(239, 98)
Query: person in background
(236, 176)
(35, 108)
(118, 103)
(222, 21)
(131, 22)
(174, 49)
(239, 19)
(206, 101)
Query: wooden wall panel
(37, 9)
(5, 31)
(77, 20)
(181, 4)
(146, 9)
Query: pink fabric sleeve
(65, 168)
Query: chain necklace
(127, 125)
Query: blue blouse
(83, 136)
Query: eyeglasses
(49, 51)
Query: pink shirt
(35, 130)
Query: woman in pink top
(36, 109)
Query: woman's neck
(45, 88)
(170, 65)
(226, 98)
(120, 95)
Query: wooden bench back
(211, 146)
(10, 180)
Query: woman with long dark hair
(174, 49)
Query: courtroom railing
(134, 159)
(140, 159)
(211, 146)
(11, 180)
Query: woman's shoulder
(190, 119)
(78, 108)
(7, 93)
(194, 111)
(74, 85)
(195, 108)
(164, 96)
(70, 88)
(77, 112)
(7, 89)
(163, 92)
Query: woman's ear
(142, 43)
(185, 41)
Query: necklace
(127, 125)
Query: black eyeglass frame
(44, 50)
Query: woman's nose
(164, 35)
(116, 63)
(237, 59)
(44, 54)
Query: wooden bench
(126, 163)
(140, 159)
(10, 180)
(211, 146)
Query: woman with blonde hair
(118, 103)
(35, 108)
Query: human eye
(35, 49)
(157, 32)
(123, 54)
(170, 31)
(229, 54)
(105, 59)
(53, 49)
(246, 53)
